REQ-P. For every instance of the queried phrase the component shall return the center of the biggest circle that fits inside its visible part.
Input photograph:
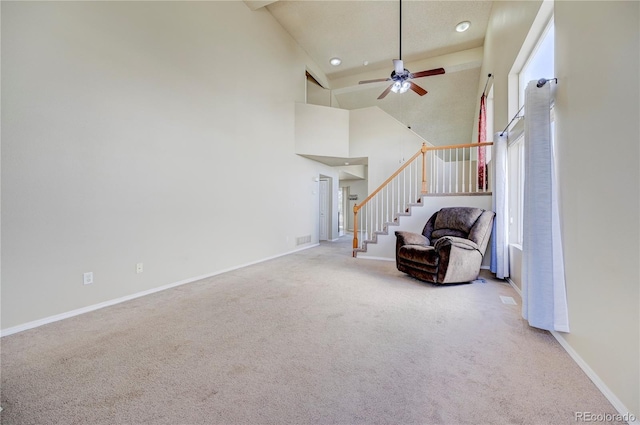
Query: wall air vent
(301, 240)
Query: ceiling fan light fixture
(401, 76)
(335, 61)
(400, 87)
(463, 26)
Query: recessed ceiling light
(365, 63)
(463, 26)
(335, 61)
(346, 163)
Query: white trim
(531, 42)
(376, 258)
(72, 313)
(393, 259)
(514, 286)
(613, 399)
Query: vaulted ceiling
(368, 31)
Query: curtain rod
(541, 82)
(517, 115)
(484, 92)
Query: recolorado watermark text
(604, 417)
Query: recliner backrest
(455, 221)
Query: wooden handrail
(423, 151)
(468, 145)
(356, 208)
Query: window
(539, 64)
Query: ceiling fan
(401, 76)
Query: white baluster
(449, 170)
(432, 171)
(471, 179)
(368, 213)
(411, 182)
(386, 208)
(377, 222)
(404, 187)
(457, 177)
(363, 218)
(392, 202)
(385, 204)
(437, 169)
(464, 186)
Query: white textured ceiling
(368, 30)
(444, 116)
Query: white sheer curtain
(500, 242)
(544, 299)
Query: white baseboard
(604, 389)
(514, 286)
(76, 312)
(393, 259)
(599, 383)
(376, 258)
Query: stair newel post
(355, 228)
(424, 168)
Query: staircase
(386, 226)
(433, 178)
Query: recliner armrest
(457, 242)
(409, 238)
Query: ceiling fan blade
(416, 88)
(374, 81)
(385, 92)
(398, 66)
(436, 71)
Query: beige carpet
(315, 337)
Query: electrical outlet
(88, 278)
(139, 268)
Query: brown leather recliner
(450, 248)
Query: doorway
(324, 191)
(343, 209)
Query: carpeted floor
(315, 337)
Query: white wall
(597, 52)
(508, 27)
(321, 130)
(597, 110)
(317, 95)
(126, 139)
(385, 141)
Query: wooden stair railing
(432, 170)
